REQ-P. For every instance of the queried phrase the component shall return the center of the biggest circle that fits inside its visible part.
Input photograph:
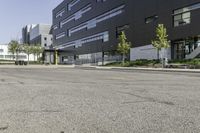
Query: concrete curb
(144, 69)
(37, 66)
(105, 68)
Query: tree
(13, 48)
(37, 50)
(34, 51)
(27, 50)
(123, 46)
(19, 50)
(161, 40)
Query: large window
(61, 35)
(73, 3)
(1, 50)
(182, 16)
(104, 36)
(60, 13)
(93, 22)
(55, 27)
(76, 15)
(121, 29)
(151, 19)
(101, 0)
(182, 19)
(183, 48)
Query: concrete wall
(46, 40)
(148, 52)
(39, 29)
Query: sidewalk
(105, 68)
(144, 69)
(37, 66)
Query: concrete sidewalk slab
(147, 69)
(37, 66)
(104, 68)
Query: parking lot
(75, 100)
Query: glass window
(121, 29)
(60, 13)
(73, 3)
(106, 38)
(93, 22)
(182, 19)
(183, 16)
(151, 19)
(196, 6)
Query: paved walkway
(145, 69)
(103, 68)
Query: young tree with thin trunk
(161, 40)
(123, 46)
(39, 51)
(13, 47)
(34, 51)
(27, 50)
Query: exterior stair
(194, 54)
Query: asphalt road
(64, 100)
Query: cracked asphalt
(66, 100)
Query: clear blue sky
(14, 14)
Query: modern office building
(41, 34)
(26, 33)
(35, 34)
(90, 28)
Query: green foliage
(123, 45)
(141, 62)
(192, 63)
(161, 40)
(14, 47)
(186, 61)
(37, 50)
(27, 49)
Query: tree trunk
(162, 58)
(34, 57)
(17, 56)
(37, 57)
(158, 55)
(13, 54)
(123, 59)
(28, 59)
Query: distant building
(41, 34)
(37, 34)
(34, 34)
(6, 55)
(26, 33)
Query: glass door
(179, 50)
